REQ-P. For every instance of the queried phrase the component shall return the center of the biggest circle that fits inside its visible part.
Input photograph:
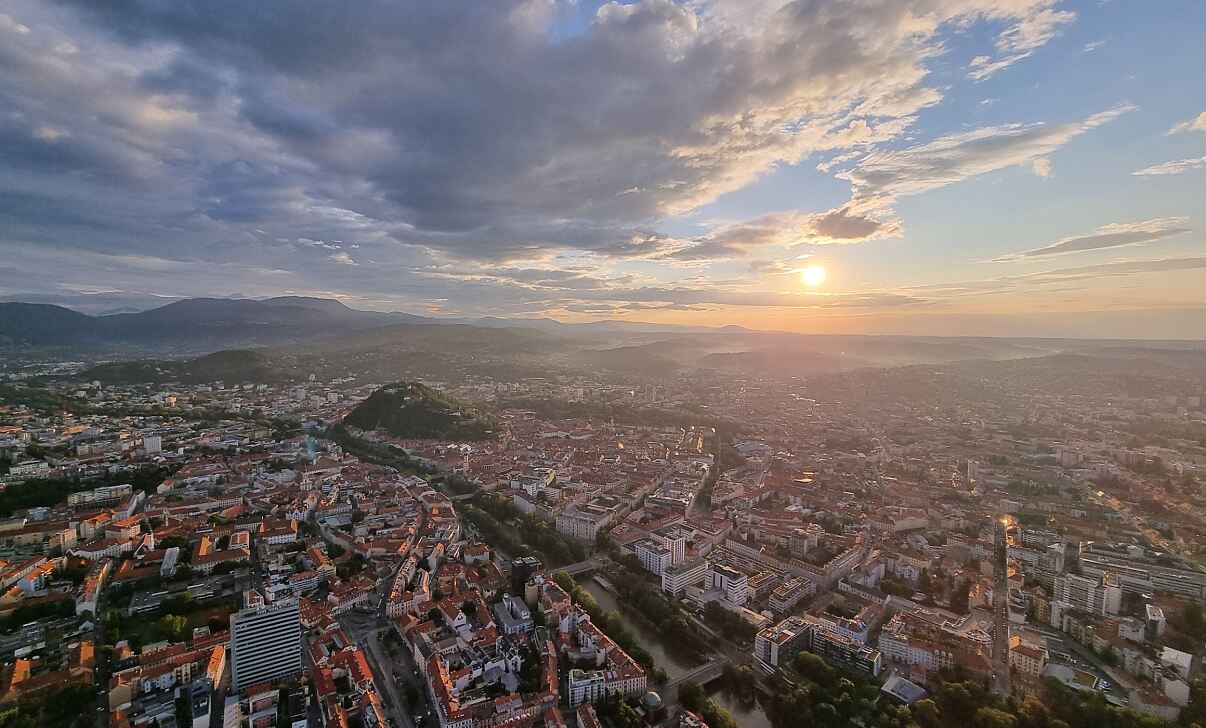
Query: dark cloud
(842, 224)
(734, 240)
(429, 132)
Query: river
(651, 639)
(748, 716)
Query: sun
(812, 276)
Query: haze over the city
(584, 364)
(967, 167)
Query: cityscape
(875, 544)
(602, 364)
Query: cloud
(1113, 235)
(475, 152)
(489, 131)
(1041, 167)
(1198, 123)
(1039, 24)
(886, 174)
(1176, 166)
(1058, 276)
(694, 296)
(784, 229)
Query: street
(1001, 682)
(367, 630)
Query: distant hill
(198, 323)
(233, 366)
(327, 338)
(42, 323)
(412, 410)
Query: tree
(960, 597)
(173, 626)
(410, 694)
(626, 716)
(993, 718)
(1195, 712)
(813, 668)
(926, 713)
(691, 695)
(1190, 622)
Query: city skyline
(988, 167)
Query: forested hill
(410, 409)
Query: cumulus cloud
(1041, 167)
(1198, 123)
(1177, 166)
(506, 132)
(1113, 235)
(659, 107)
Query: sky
(961, 167)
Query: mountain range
(238, 322)
(293, 333)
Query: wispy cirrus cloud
(1040, 24)
(1198, 123)
(1058, 276)
(1113, 235)
(1177, 166)
(883, 175)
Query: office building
(265, 642)
(677, 578)
(780, 644)
(654, 556)
(733, 583)
(1100, 595)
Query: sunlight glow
(812, 276)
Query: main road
(367, 629)
(1000, 597)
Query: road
(103, 662)
(367, 630)
(1001, 684)
(582, 566)
(702, 674)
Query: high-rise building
(654, 556)
(265, 643)
(780, 644)
(1100, 595)
(522, 570)
(678, 577)
(733, 583)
